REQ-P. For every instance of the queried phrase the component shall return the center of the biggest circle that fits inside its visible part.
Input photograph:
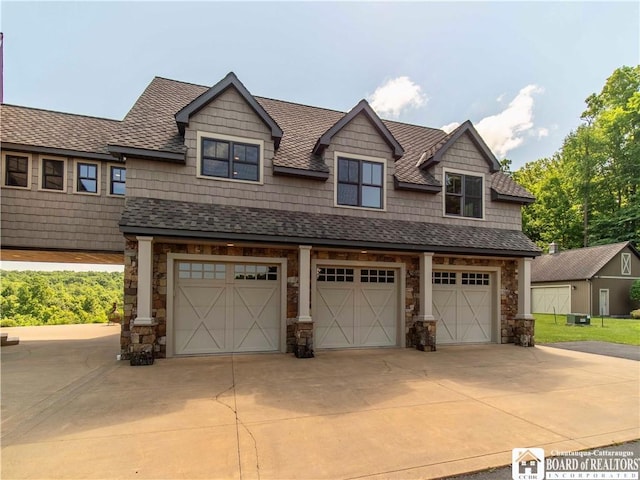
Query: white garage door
(546, 299)
(356, 307)
(226, 307)
(463, 307)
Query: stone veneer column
(525, 323)
(425, 323)
(303, 328)
(143, 328)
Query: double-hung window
(86, 177)
(16, 171)
(117, 179)
(360, 183)
(463, 195)
(53, 174)
(230, 159)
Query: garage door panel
(378, 316)
(546, 299)
(222, 308)
(256, 325)
(356, 307)
(336, 310)
(446, 311)
(462, 305)
(200, 319)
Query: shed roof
(577, 264)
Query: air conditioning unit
(578, 319)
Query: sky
(520, 71)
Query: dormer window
(360, 182)
(232, 158)
(463, 195)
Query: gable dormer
(434, 154)
(365, 109)
(229, 81)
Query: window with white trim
(229, 159)
(463, 195)
(52, 175)
(117, 180)
(625, 260)
(360, 183)
(368, 275)
(87, 177)
(17, 170)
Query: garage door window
(335, 274)
(255, 272)
(475, 278)
(377, 276)
(199, 271)
(444, 278)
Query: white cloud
(542, 132)
(450, 127)
(504, 131)
(396, 95)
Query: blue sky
(519, 71)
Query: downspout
(590, 296)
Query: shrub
(8, 322)
(634, 293)
(635, 314)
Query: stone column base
(425, 335)
(143, 339)
(303, 333)
(524, 332)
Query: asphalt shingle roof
(150, 124)
(44, 128)
(197, 220)
(577, 264)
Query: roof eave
(230, 80)
(502, 197)
(416, 187)
(293, 240)
(123, 152)
(300, 173)
(466, 127)
(362, 107)
(63, 152)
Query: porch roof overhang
(165, 218)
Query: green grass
(615, 330)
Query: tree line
(54, 298)
(588, 192)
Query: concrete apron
(70, 410)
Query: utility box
(578, 319)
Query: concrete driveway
(70, 410)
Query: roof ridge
(581, 249)
(61, 113)
(159, 77)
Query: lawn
(615, 330)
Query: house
(528, 463)
(255, 225)
(593, 280)
(62, 191)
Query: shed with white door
(593, 280)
